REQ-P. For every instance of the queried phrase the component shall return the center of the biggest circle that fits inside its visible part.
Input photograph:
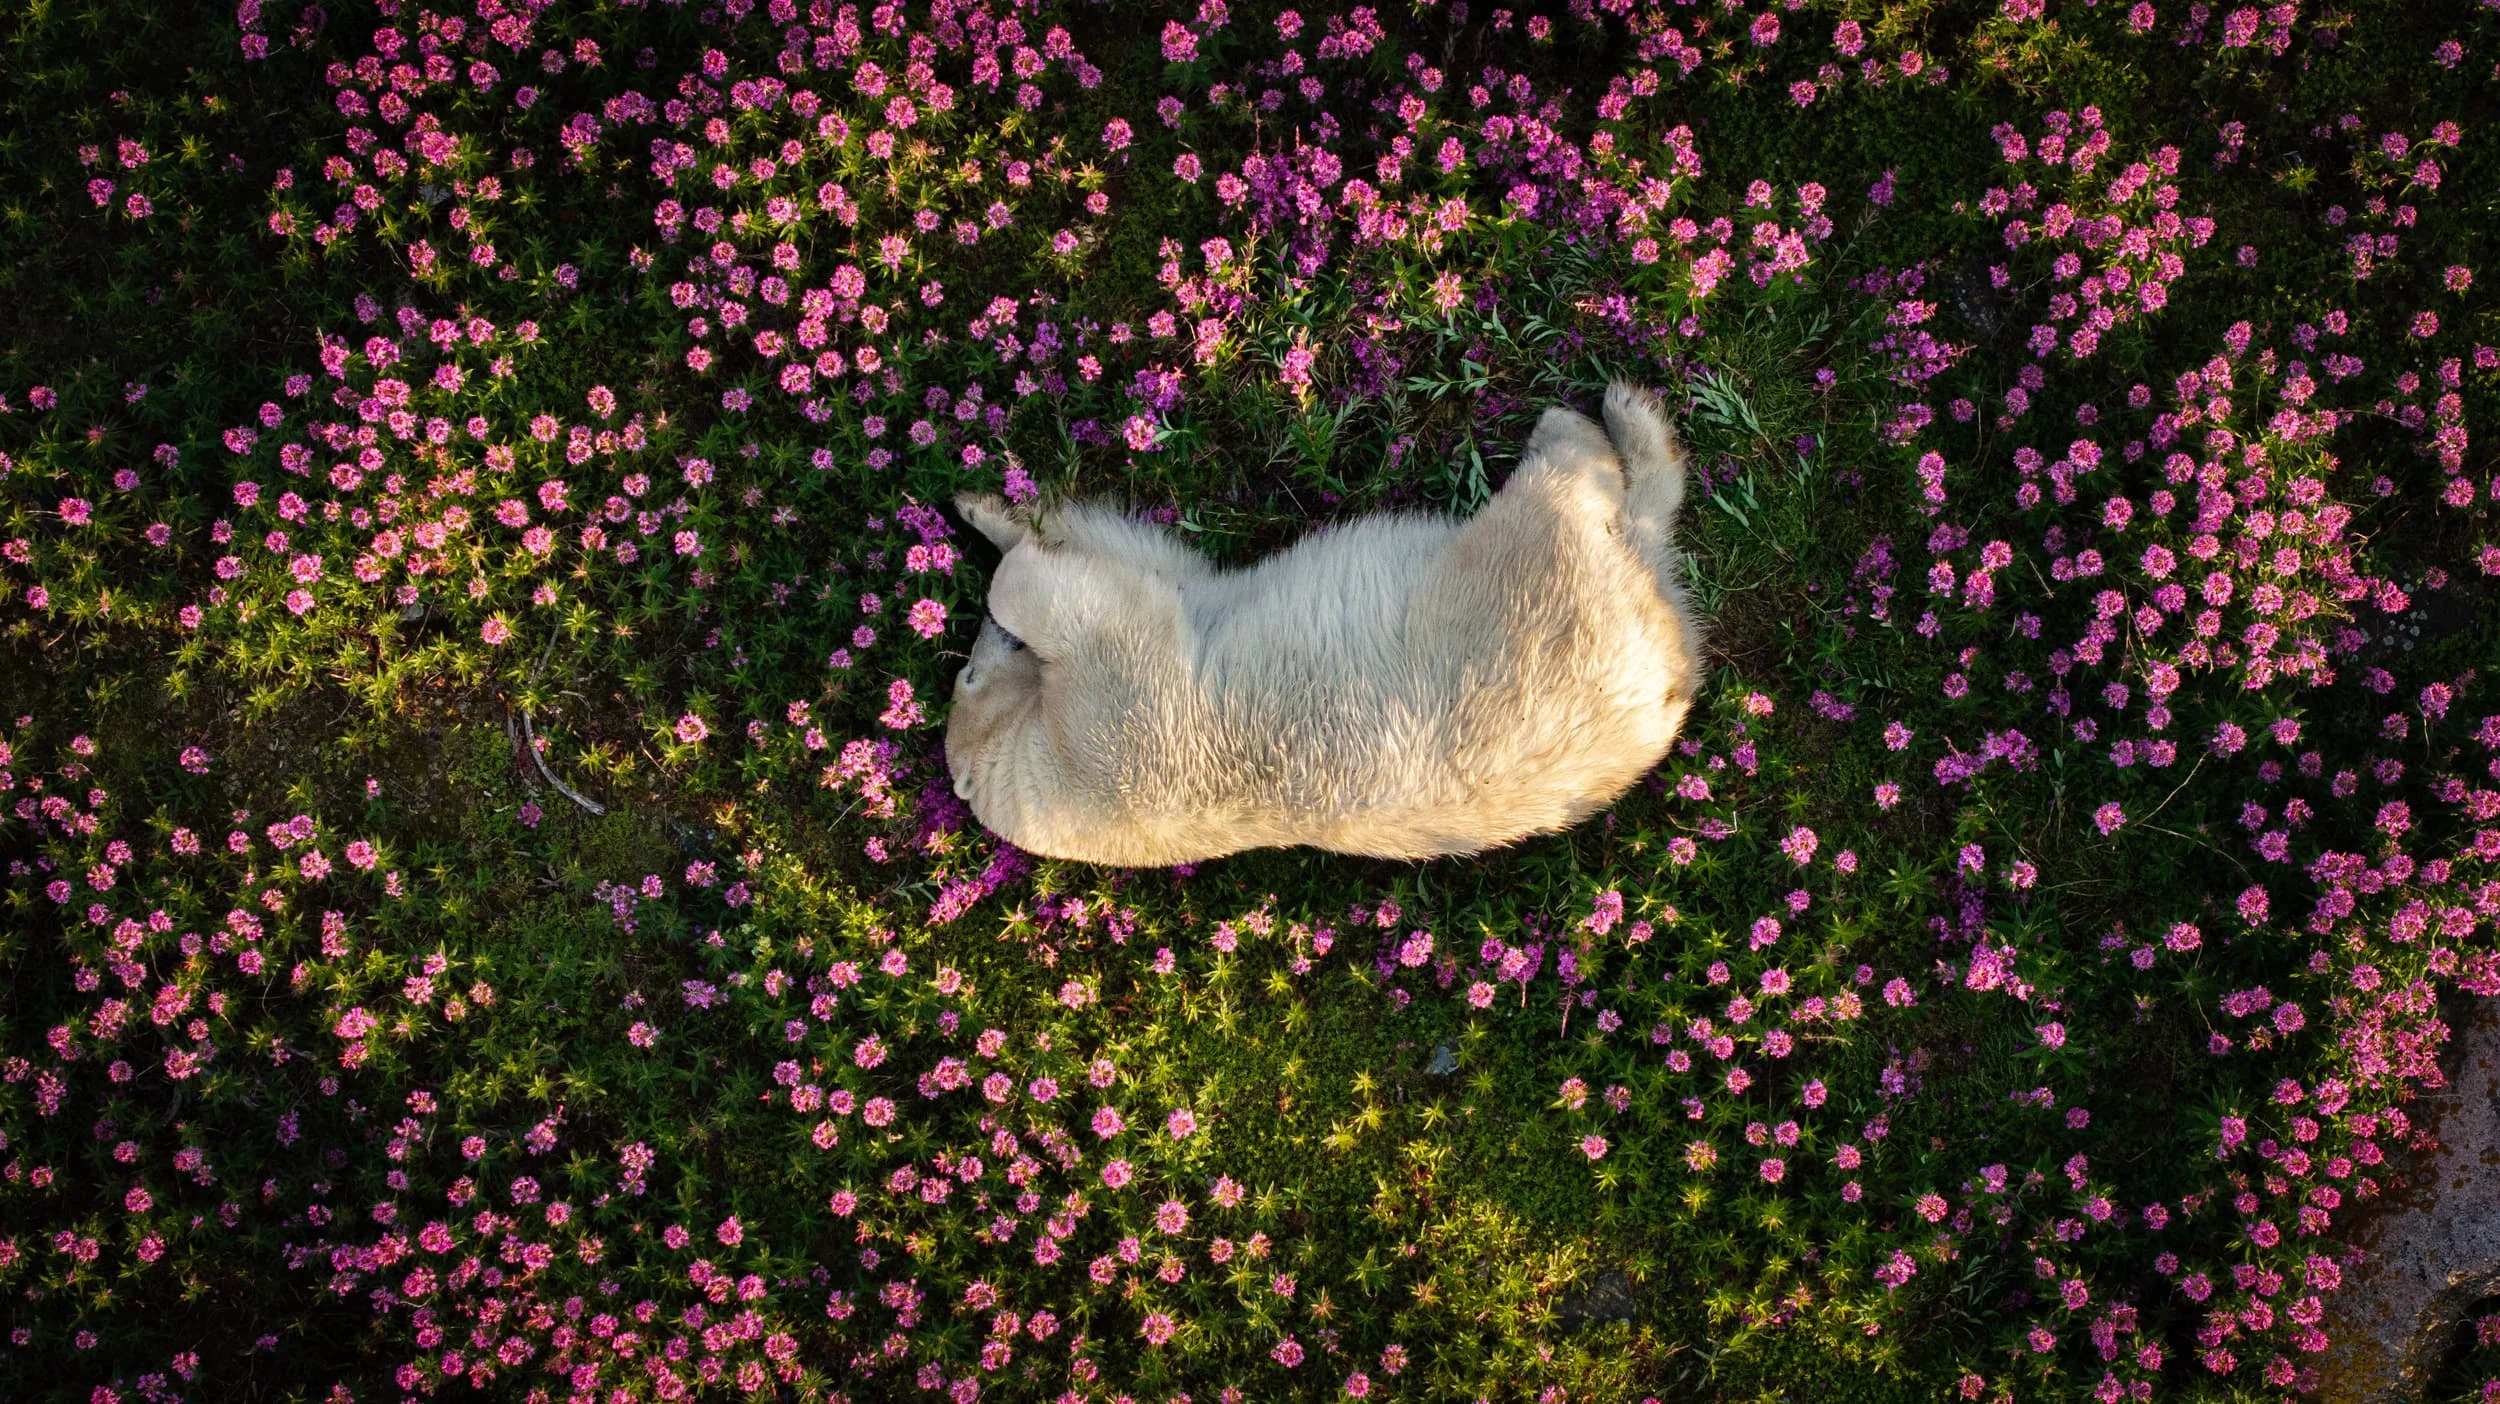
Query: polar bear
(1403, 686)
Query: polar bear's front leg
(1115, 535)
(989, 514)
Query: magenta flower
(1107, 1123)
(691, 729)
(1799, 845)
(2253, 906)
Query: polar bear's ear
(1054, 600)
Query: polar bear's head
(995, 689)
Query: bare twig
(529, 729)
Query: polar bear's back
(1306, 662)
(1412, 685)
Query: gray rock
(2433, 1248)
(1609, 1298)
(1444, 1061)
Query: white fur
(1403, 686)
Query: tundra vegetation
(487, 914)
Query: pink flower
(902, 710)
(691, 729)
(1799, 845)
(1593, 1146)
(1181, 1124)
(2109, 818)
(731, 1233)
(1107, 1123)
(2253, 906)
